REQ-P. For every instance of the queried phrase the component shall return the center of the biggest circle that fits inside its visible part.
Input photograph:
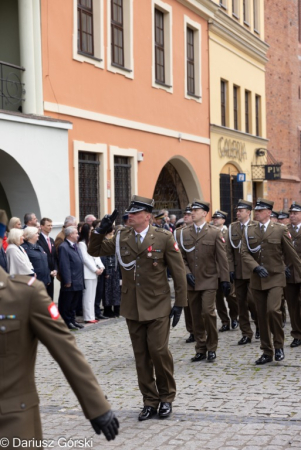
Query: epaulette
(252, 224)
(279, 224)
(23, 279)
(162, 230)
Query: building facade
(238, 56)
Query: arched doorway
(231, 190)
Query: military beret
(3, 223)
(244, 204)
(295, 207)
(220, 215)
(263, 203)
(140, 204)
(200, 204)
(283, 215)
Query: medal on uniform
(149, 255)
(155, 263)
(150, 249)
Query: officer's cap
(275, 214)
(3, 223)
(220, 215)
(188, 209)
(295, 207)
(244, 204)
(283, 215)
(263, 203)
(140, 204)
(159, 216)
(200, 204)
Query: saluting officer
(240, 272)
(263, 248)
(293, 282)
(144, 252)
(218, 219)
(27, 315)
(202, 247)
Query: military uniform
(26, 316)
(146, 302)
(266, 250)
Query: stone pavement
(230, 404)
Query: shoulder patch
(31, 281)
(53, 311)
(176, 247)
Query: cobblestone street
(229, 404)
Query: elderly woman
(14, 222)
(36, 254)
(18, 262)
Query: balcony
(12, 90)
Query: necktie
(138, 241)
(75, 247)
(242, 227)
(49, 244)
(262, 229)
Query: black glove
(106, 222)
(107, 423)
(287, 272)
(175, 313)
(226, 288)
(261, 271)
(190, 279)
(232, 277)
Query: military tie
(262, 229)
(138, 241)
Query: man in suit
(143, 253)
(26, 316)
(240, 272)
(203, 247)
(293, 282)
(72, 278)
(263, 249)
(47, 244)
(30, 220)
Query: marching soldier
(241, 273)
(27, 315)
(293, 282)
(274, 216)
(284, 217)
(263, 248)
(202, 247)
(144, 252)
(218, 219)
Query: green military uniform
(26, 316)
(267, 250)
(146, 302)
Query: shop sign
(272, 172)
(232, 149)
(241, 177)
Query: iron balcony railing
(12, 89)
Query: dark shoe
(211, 356)
(263, 359)
(257, 334)
(78, 325)
(224, 328)
(296, 343)
(146, 413)
(165, 410)
(198, 357)
(190, 339)
(244, 340)
(91, 321)
(279, 355)
(234, 324)
(72, 327)
(100, 317)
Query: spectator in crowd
(93, 267)
(100, 283)
(36, 254)
(14, 222)
(70, 221)
(172, 222)
(90, 219)
(79, 227)
(30, 220)
(3, 259)
(112, 283)
(71, 270)
(95, 224)
(17, 259)
(47, 244)
(4, 241)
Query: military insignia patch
(54, 312)
(289, 235)
(176, 247)
(222, 238)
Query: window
(190, 61)
(223, 4)
(162, 76)
(122, 184)
(117, 32)
(247, 111)
(224, 103)
(192, 50)
(246, 12)
(88, 183)
(88, 40)
(257, 114)
(235, 107)
(120, 37)
(256, 16)
(235, 9)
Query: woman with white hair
(14, 222)
(36, 254)
(17, 260)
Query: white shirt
(197, 228)
(142, 234)
(265, 225)
(296, 227)
(244, 224)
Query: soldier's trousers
(202, 306)
(293, 296)
(221, 307)
(188, 319)
(268, 304)
(154, 363)
(245, 304)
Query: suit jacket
(71, 267)
(52, 256)
(296, 239)
(236, 263)
(38, 258)
(29, 308)
(276, 246)
(208, 261)
(145, 295)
